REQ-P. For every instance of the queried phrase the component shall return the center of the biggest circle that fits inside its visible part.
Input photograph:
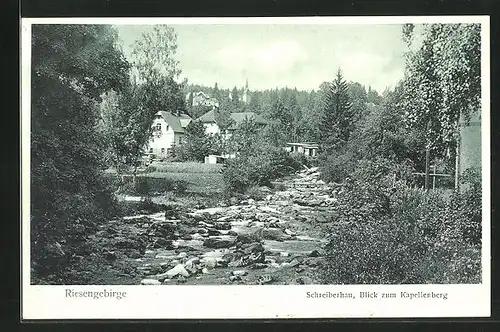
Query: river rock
(110, 255)
(217, 243)
(223, 226)
(150, 282)
(314, 261)
(257, 266)
(304, 280)
(240, 273)
(314, 253)
(133, 253)
(163, 243)
(176, 271)
(235, 278)
(213, 232)
(209, 262)
(187, 237)
(255, 258)
(162, 229)
(193, 260)
(128, 243)
(171, 212)
(265, 279)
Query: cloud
(274, 57)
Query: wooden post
(434, 177)
(427, 157)
(457, 165)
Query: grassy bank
(183, 167)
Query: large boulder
(249, 248)
(178, 270)
(247, 259)
(162, 229)
(218, 243)
(274, 234)
(248, 238)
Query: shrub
(147, 185)
(336, 167)
(300, 160)
(382, 233)
(374, 252)
(466, 206)
(256, 193)
(279, 187)
(258, 169)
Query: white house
(202, 99)
(168, 130)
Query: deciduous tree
(72, 65)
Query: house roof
(308, 145)
(177, 123)
(239, 117)
(202, 94)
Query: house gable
(168, 130)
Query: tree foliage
(442, 80)
(154, 89)
(72, 65)
(337, 121)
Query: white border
(174, 302)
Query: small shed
(307, 148)
(218, 159)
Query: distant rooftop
(239, 117)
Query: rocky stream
(276, 240)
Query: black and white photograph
(261, 154)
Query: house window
(162, 150)
(150, 150)
(158, 126)
(180, 140)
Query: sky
(284, 55)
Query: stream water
(276, 240)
